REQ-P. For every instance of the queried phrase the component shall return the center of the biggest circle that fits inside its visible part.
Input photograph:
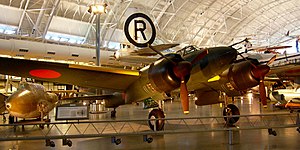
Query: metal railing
(113, 128)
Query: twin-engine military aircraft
(190, 69)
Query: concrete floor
(286, 139)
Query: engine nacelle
(161, 74)
(238, 78)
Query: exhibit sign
(72, 112)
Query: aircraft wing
(85, 76)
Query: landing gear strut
(11, 119)
(156, 125)
(229, 111)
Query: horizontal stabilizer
(94, 97)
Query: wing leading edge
(85, 76)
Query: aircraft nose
(229, 55)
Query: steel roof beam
(54, 8)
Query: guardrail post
(298, 122)
(230, 137)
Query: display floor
(259, 139)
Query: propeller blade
(262, 93)
(199, 57)
(184, 97)
(260, 72)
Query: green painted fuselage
(214, 63)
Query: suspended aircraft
(142, 55)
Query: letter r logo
(140, 27)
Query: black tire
(158, 114)
(230, 110)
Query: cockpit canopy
(187, 50)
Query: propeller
(259, 72)
(181, 70)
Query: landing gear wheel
(159, 124)
(230, 110)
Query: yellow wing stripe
(104, 69)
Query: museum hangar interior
(161, 74)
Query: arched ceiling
(199, 22)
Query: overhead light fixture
(98, 8)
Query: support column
(98, 39)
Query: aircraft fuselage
(215, 62)
(29, 100)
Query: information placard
(71, 112)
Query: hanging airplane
(205, 71)
(142, 55)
